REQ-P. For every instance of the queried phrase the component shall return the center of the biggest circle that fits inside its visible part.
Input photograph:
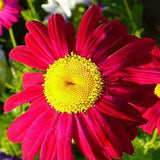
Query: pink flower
(81, 93)
(152, 114)
(9, 13)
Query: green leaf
(139, 143)
(5, 145)
(28, 15)
(5, 120)
(9, 147)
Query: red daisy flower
(82, 94)
(152, 114)
(9, 13)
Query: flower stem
(129, 14)
(12, 37)
(154, 137)
(32, 7)
(13, 40)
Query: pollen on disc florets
(72, 84)
(157, 90)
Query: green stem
(31, 7)
(154, 137)
(12, 37)
(13, 40)
(129, 14)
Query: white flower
(62, 6)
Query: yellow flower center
(157, 90)
(1, 5)
(72, 84)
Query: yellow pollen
(1, 5)
(157, 90)
(72, 84)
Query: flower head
(9, 13)
(83, 92)
(152, 114)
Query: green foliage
(9, 147)
(129, 12)
(139, 146)
(28, 15)
(5, 145)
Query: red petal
(156, 51)
(35, 134)
(31, 79)
(39, 101)
(23, 55)
(119, 110)
(57, 143)
(10, 17)
(70, 34)
(61, 35)
(49, 149)
(102, 39)
(89, 22)
(158, 125)
(139, 75)
(5, 21)
(132, 93)
(18, 128)
(131, 131)
(38, 50)
(109, 126)
(64, 137)
(121, 136)
(85, 139)
(39, 35)
(135, 53)
(115, 46)
(22, 97)
(152, 115)
(155, 63)
(105, 138)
